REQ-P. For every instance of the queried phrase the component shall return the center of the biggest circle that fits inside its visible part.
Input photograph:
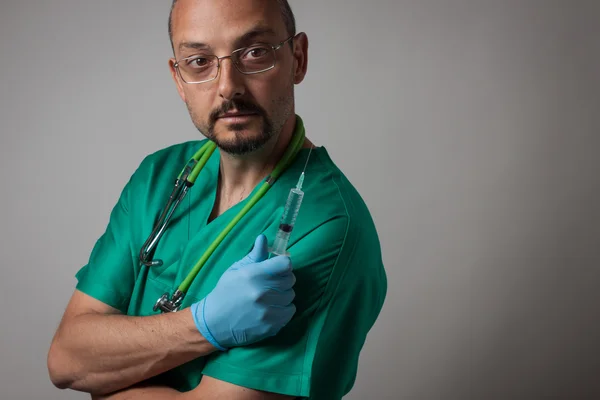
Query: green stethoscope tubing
(202, 157)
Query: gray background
(470, 127)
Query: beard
(242, 143)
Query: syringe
(288, 218)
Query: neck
(240, 174)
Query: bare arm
(209, 389)
(144, 392)
(99, 351)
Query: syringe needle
(307, 158)
(301, 179)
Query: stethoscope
(183, 183)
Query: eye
(199, 62)
(256, 52)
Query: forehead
(219, 23)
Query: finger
(281, 282)
(280, 298)
(259, 251)
(282, 315)
(275, 266)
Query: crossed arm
(98, 350)
(209, 389)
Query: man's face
(239, 112)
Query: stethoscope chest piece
(165, 304)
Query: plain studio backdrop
(470, 127)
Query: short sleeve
(109, 273)
(352, 309)
(313, 342)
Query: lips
(236, 114)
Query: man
(251, 326)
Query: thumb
(259, 251)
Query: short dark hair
(286, 12)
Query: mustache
(239, 105)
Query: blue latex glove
(251, 301)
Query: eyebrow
(254, 33)
(245, 38)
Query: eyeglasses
(201, 68)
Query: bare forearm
(146, 393)
(100, 354)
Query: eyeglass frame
(274, 47)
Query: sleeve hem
(103, 294)
(287, 384)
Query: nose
(231, 81)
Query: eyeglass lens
(205, 67)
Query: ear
(300, 57)
(178, 82)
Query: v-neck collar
(203, 194)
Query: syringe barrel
(288, 219)
(292, 207)
(280, 244)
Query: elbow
(56, 369)
(60, 368)
(64, 374)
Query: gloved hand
(251, 301)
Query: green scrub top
(335, 253)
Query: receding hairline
(257, 31)
(287, 14)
